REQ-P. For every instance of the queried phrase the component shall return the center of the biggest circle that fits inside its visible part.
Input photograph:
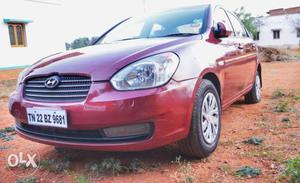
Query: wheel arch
(214, 79)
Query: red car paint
(168, 108)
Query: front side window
(276, 34)
(298, 32)
(237, 26)
(17, 35)
(180, 22)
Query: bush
(293, 170)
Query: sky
(93, 17)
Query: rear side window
(237, 26)
(221, 16)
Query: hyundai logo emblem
(52, 82)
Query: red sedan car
(147, 82)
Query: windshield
(180, 22)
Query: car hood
(101, 61)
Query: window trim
(15, 35)
(247, 35)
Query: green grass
(282, 107)
(277, 94)
(265, 152)
(6, 134)
(55, 165)
(254, 141)
(81, 179)
(185, 171)
(247, 171)
(28, 180)
(292, 170)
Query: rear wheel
(254, 95)
(206, 123)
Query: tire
(197, 144)
(254, 95)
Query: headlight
(147, 73)
(21, 77)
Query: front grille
(70, 89)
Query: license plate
(47, 117)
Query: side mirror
(221, 31)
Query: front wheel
(206, 123)
(254, 95)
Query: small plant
(29, 180)
(254, 141)
(7, 133)
(155, 166)
(3, 148)
(277, 94)
(81, 179)
(226, 169)
(282, 106)
(296, 97)
(292, 170)
(185, 173)
(55, 165)
(111, 165)
(136, 165)
(247, 171)
(8, 130)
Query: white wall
(41, 34)
(288, 33)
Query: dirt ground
(276, 119)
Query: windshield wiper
(179, 35)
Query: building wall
(286, 24)
(42, 35)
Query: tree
(247, 19)
(78, 43)
(296, 25)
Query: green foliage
(136, 165)
(277, 94)
(29, 180)
(8, 129)
(6, 133)
(247, 19)
(111, 165)
(293, 170)
(254, 141)
(78, 43)
(247, 171)
(185, 173)
(55, 165)
(81, 179)
(282, 106)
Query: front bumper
(167, 108)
